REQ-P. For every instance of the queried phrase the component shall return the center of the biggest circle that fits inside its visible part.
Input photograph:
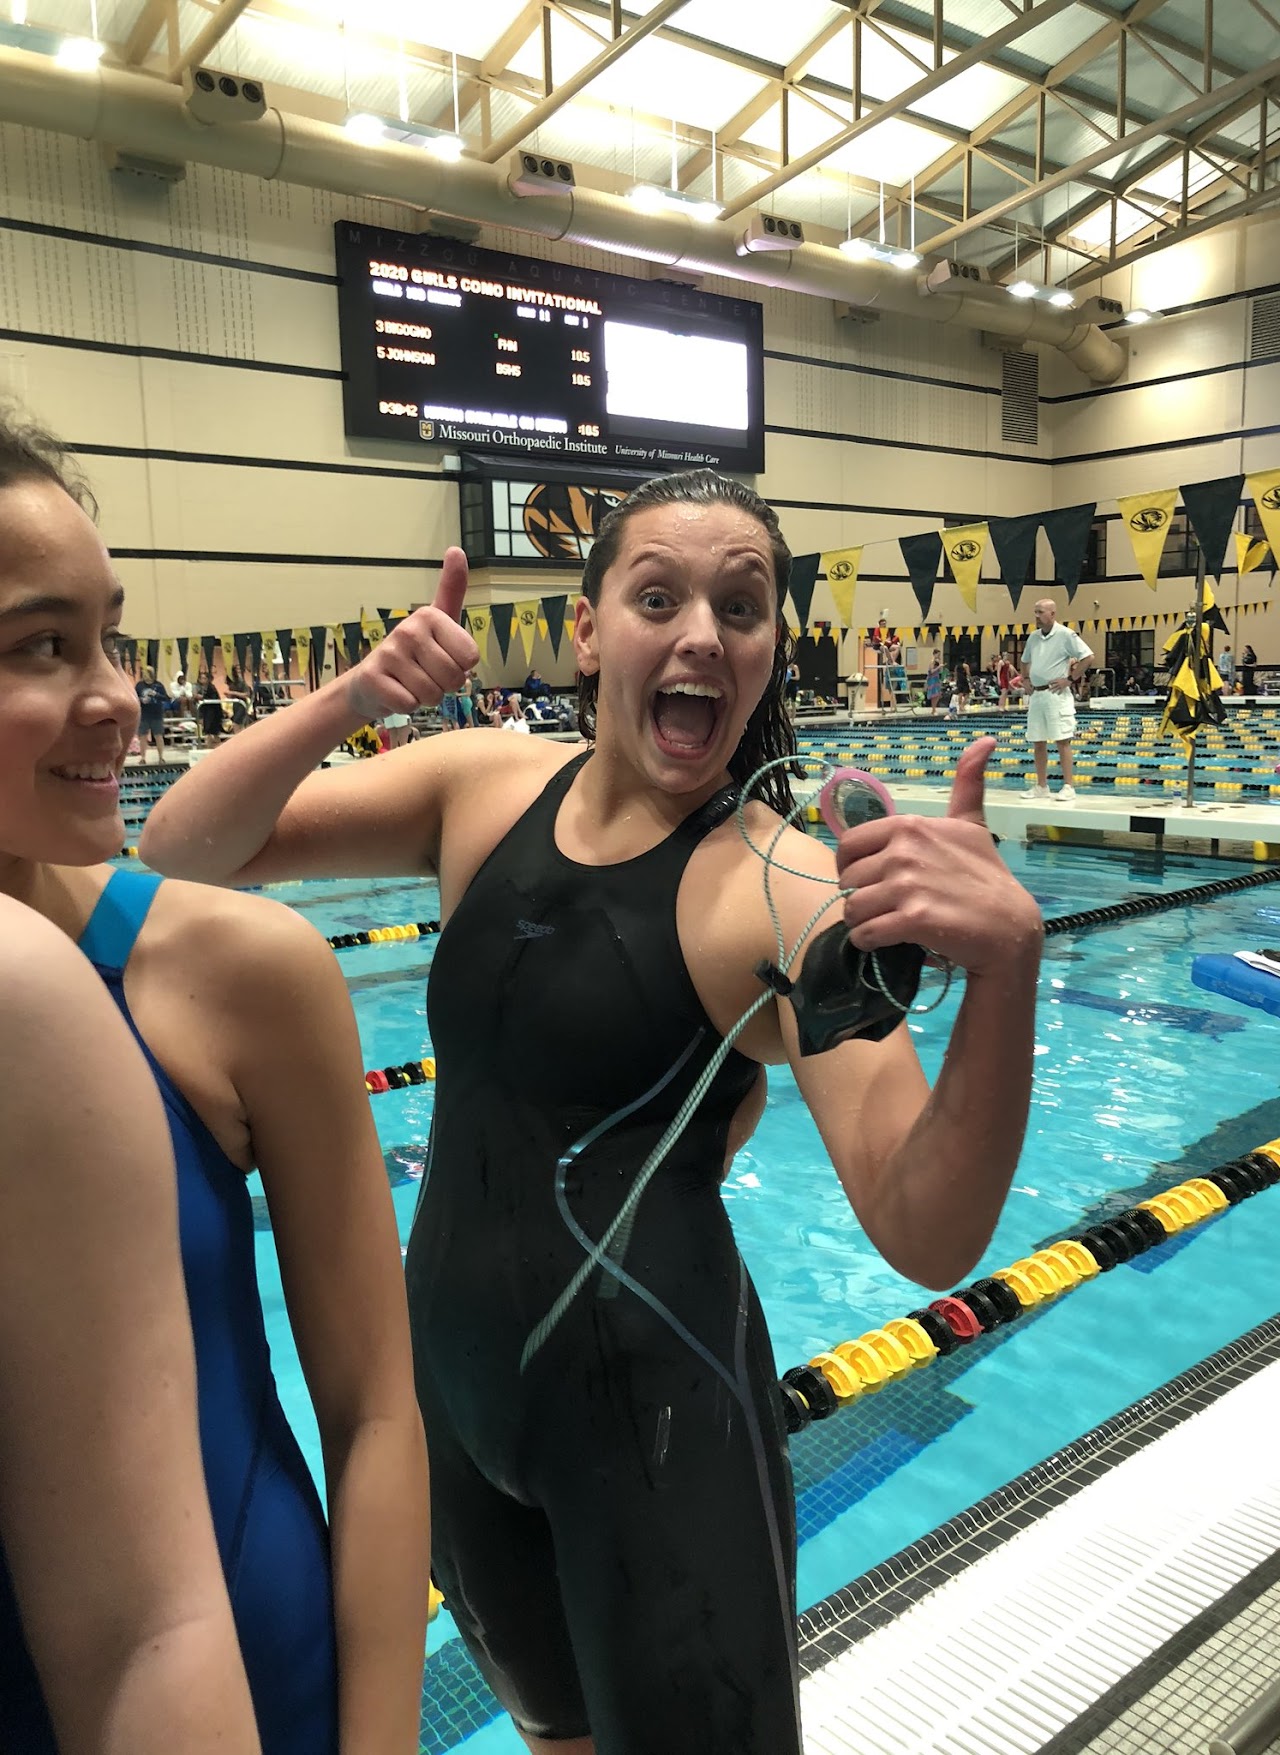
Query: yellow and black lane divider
(837, 1378)
(384, 935)
(1155, 903)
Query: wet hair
(29, 453)
(769, 732)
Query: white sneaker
(1036, 792)
(1067, 792)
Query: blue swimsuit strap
(116, 921)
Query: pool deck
(1043, 1621)
(1018, 818)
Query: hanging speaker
(214, 97)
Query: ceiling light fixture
(79, 54)
(370, 130)
(653, 198)
(865, 250)
(1062, 298)
(1021, 289)
(1138, 316)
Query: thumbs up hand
(939, 882)
(423, 658)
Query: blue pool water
(1141, 1080)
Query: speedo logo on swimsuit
(532, 929)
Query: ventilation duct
(140, 115)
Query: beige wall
(234, 502)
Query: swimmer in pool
(244, 1017)
(104, 1517)
(613, 1510)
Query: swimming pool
(1141, 1081)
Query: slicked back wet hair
(769, 733)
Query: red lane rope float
(395, 1078)
(836, 1378)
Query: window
(1129, 650)
(1095, 554)
(1181, 550)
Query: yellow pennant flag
(964, 546)
(371, 629)
(302, 648)
(1263, 486)
(1147, 518)
(1250, 554)
(169, 657)
(479, 619)
(228, 644)
(841, 568)
(526, 620)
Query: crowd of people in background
(216, 711)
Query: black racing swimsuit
(613, 1527)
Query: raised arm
(927, 1172)
(256, 811)
(103, 1511)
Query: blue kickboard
(1236, 980)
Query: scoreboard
(446, 344)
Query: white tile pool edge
(1003, 1657)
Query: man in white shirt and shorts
(1051, 659)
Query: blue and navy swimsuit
(266, 1512)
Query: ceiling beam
(1035, 15)
(1123, 187)
(206, 39)
(1221, 97)
(1167, 40)
(1017, 107)
(1205, 222)
(557, 99)
(760, 105)
(142, 36)
(508, 45)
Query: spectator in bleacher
(209, 712)
(152, 700)
(515, 719)
(1051, 659)
(534, 687)
(238, 695)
